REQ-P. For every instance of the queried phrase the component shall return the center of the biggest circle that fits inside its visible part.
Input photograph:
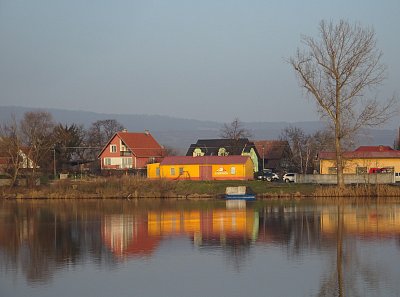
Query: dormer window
(122, 146)
(222, 152)
(197, 152)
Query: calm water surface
(164, 248)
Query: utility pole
(263, 157)
(54, 162)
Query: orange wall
(192, 171)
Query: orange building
(203, 168)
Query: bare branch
(338, 70)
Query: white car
(289, 177)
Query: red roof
(380, 148)
(189, 160)
(364, 152)
(141, 144)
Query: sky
(212, 60)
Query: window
(113, 148)
(332, 170)
(172, 171)
(126, 162)
(222, 152)
(158, 171)
(107, 161)
(361, 170)
(122, 145)
(388, 170)
(180, 170)
(197, 152)
(233, 170)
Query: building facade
(363, 160)
(202, 168)
(225, 147)
(128, 150)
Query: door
(206, 172)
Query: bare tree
(337, 70)
(37, 131)
(234, 130)
(101, 132)
(10, 148)
(305, 147)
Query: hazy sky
(209, 59)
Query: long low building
(202, 168)
(363, 160)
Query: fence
(378, 178)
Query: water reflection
(39, 238)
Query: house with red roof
(363, 160)
(130, 150)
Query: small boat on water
(239, 193)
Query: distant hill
(180, 133)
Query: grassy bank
(135, 187)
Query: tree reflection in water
(40, 237)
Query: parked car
(289, 177)
(268, 176)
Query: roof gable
(272, 149)
(211, 146)
(141, 144)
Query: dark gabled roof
(272, 149)
(190, 160)
(363, 152)
(211, 146)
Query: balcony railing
(125, 153)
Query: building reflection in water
(127, 235)
(39, 238)
(363, 222)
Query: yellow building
(202, 168)
(365, 159)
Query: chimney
(146, 132)
(124, 130)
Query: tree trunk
(338, 138)
(339, 162)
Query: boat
(239, 193)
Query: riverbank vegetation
(130, 187)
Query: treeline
(38, 143)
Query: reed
(117, 187)
(361, 191)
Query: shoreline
(141, 188)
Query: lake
(198, 248)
